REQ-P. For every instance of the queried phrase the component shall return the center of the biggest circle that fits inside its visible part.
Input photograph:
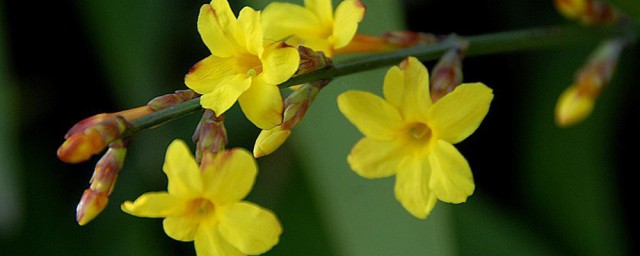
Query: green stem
(503, 42)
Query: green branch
(504, 42)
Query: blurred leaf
(569, 180)
(10, 204)
(484, 227)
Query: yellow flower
(408, 135)
(242, 66)
(205, 205)
(314, 24)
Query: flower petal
(262, 104)
(451, 179)
(209, 242)
(407, 88)
(412, 187)
(213, 27)
(153, 205)
(323, 9)
(229, 176)
(250, 228)
(372, 158)
(219, 81)
(181, 228)
(279, 62)
(250, 31)
(458, 114)
(348, 14)
(373, 116)
(182, 170)
(282, 20)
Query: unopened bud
(447, 74)
(210, 135)
(295, 107)
(577, 101)
(81, 144)
(389, 41)
(311, 60)
(172, 99)
(95, 199)
(91, 204)
(589, 12)
(270, 140)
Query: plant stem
(503, 42)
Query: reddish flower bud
(311, 60)
(90, 137)
(447, 74)
(95, 199)
(210, 135)
(589, 12)
(172, 99)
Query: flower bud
(95, 199)
(171, 99)
(589, 12)
(210, 135)
(576, 102)
(447, 74)
(389, 41)
(90, 137)
(311, 60)
(295, 107)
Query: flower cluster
(409, 132)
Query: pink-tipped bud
(172, 99)
(83, 143)
(295, 107)
(389, 41)
(210, 135)
(95, 199)
(311, 60)
(589, 12)
(447, 74)
(577, 101)
(91, 204)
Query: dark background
(540, 190)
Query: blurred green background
(540, 190)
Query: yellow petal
(323, 9)
(407, 88)
(459, 113)
(153, 205)
(229, 176)
(451, 179)
(262, 104)
(181, 228)
(279, 62)
(373, 116)
(270, 140)
(250, 31)
(209, 242)
(348, 14)
(412, 187)
(210, 26)
(219, 81)
(372, 158)
(250, 228)
(282, 20)
(182, 170)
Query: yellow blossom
(408, 135)
(242, 67)
(204, 205)
(314, 25)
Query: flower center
(420, 132)
(251, 65)
(201, 207)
